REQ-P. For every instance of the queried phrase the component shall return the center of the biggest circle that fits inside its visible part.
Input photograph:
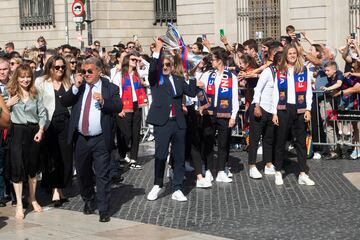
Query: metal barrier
(331, 120)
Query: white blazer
(46, 92)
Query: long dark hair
(249, 60)
(49, 67)
(125, 64)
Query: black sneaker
(332, 156)
(2, 203)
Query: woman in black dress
(28, 119)
(57, 173)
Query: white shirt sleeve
(309, 94)
(275, 97)
(264, 76)
(116, 79)
(235, 97)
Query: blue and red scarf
(127, 98)
(301, 82)
(224, 98)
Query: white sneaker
(305, 180)
(317, 156)
(278, 178)
(260, 150)
(208, 176)
(188, 167)
(254, 173)
(178, 196)
(127, 159)
(290, 147)
(222, 177)
(154, 193)
(269, 170)
(228, 173)
(203, 183)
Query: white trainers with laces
(154, 193)
(305, 180)
(203, 183)
(269, 170)
(222, 177)
(278, 178)
(178, 196)
(317, 156)
(208, 176)
(254, 173)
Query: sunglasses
(167, 64)
(131, 47)
(89, 71)
(12, 63)
(133, 59)
(96, 45)
(73, 62)
(62, 67)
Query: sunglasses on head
(62, 67)
(89, 71)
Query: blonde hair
(13, 86)
(299, 64)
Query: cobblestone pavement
(246, 208)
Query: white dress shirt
(291, 94)
(235, 92)
(263, 92)
(95, 110)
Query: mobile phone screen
(222, 32)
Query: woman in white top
(220, 114)
(58, 164)
(292, 99)
(134, 98)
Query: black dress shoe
(117, 179)
(2, 203)
(88, 208)
(57, 203)
(104, 217)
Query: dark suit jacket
(163, 97)
(112, 104)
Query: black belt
(87, 137)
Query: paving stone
(246, 208)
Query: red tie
(173, 113)
(85, 120)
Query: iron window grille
(165, 11)
(36, 13)
(259, 19)
(354, 14)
